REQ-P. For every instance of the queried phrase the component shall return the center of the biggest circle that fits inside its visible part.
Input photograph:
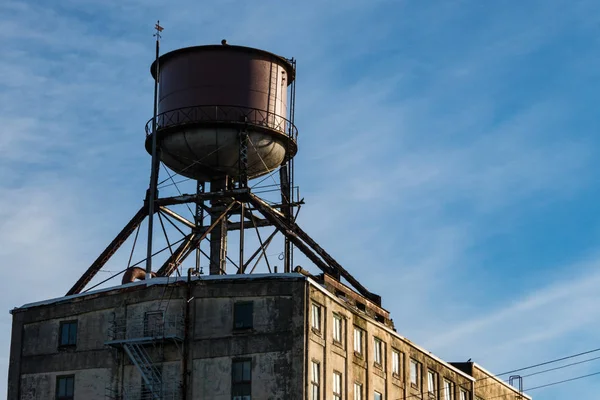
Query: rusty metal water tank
(207, 95)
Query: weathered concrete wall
(42, 337)
(271, 377)
(488, 386)
(275, 343)
(280, 344)
(89, 384)
(340, 357)
(14, 366)
(214, 316)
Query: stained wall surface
(296, 323)
(358, 363)
(276, 358)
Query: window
(378, 351)
(337, 386)
(415, 372)
(243, 312)
(377, 396)
(361, 306)
(153, 323)
(448, 395)
(315, 380)
(358, 391)
(395, 363)
(463, 394)
(68, 333)
(316, 317)
(241, 377)
(337, 328)
(431, 382)
(65, 387)
(358, 341)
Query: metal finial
(159, 29)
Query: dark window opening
(361, 306)
(68, 333)
(65, 387)
(243, 313)
(241, 377)
(153, 323)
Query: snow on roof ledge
(163, 281)
(479, 367)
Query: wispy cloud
(432, 137)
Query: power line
(549, 384)
(550, 362)
(561, 367)
(523, 369)
(563, 381)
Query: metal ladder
(151, 375)
(272, 100)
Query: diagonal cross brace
(109, 251)
(186, 247)
(310, 248)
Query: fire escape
(143, 339)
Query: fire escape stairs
(151, 375)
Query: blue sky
(448, 155)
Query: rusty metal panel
(207, 95)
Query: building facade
(240, 337)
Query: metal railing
(150, 373)
(224, 114)
(168, 391)
(148, 327)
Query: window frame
(315, 384)
(358, 389)
(432, 381)
(244, 385)
(69, 324)
(378, 350)
(236, 311)
(66, 396)
(337, 395)
(154, 331)
(318, 320)
(463, 394)
(418, 373)
(448, 389)
(338, 332)
(398, 356)
(375, 394)
(361, 336)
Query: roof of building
(270, 276)
(161, 281)
(394, 333)
(494, 377)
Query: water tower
(223, 115)
(208, 95)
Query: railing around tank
(215, 113)
(168, 391)
(154, 325)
